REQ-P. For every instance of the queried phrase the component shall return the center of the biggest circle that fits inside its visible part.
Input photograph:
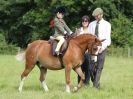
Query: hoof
(75, 89)
(68, 91)
(46, 90)
(20, 90)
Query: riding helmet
(61, 9)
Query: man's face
(99, 17)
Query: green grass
(116, 81)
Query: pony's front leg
(67, 74)
(82, 76)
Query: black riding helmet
(60, 9)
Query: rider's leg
(61, 41)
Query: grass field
(116, 81)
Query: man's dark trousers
(99, 68)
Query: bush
(6, 48)
(122, 31)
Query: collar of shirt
(100, 21)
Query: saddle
(54, 43)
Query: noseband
(91, 50)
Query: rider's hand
(67, 35)
(73, 34)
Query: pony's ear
(102, 40)
(96, 39)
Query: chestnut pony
(39, 52)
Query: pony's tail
(20, 56)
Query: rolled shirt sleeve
(106, 36)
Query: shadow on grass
(3, 86)
(30, 88)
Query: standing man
(102, 29)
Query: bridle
(92, 48)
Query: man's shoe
(97, 86)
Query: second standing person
(86, 64)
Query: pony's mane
(83, 37)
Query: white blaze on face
(99, 47)
(95, 57)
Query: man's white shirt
(104, 31)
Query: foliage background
(23, 21)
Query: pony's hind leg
(81, 74)
(43, 72)
(25, 73)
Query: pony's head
(95, 46)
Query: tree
(24, 21)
